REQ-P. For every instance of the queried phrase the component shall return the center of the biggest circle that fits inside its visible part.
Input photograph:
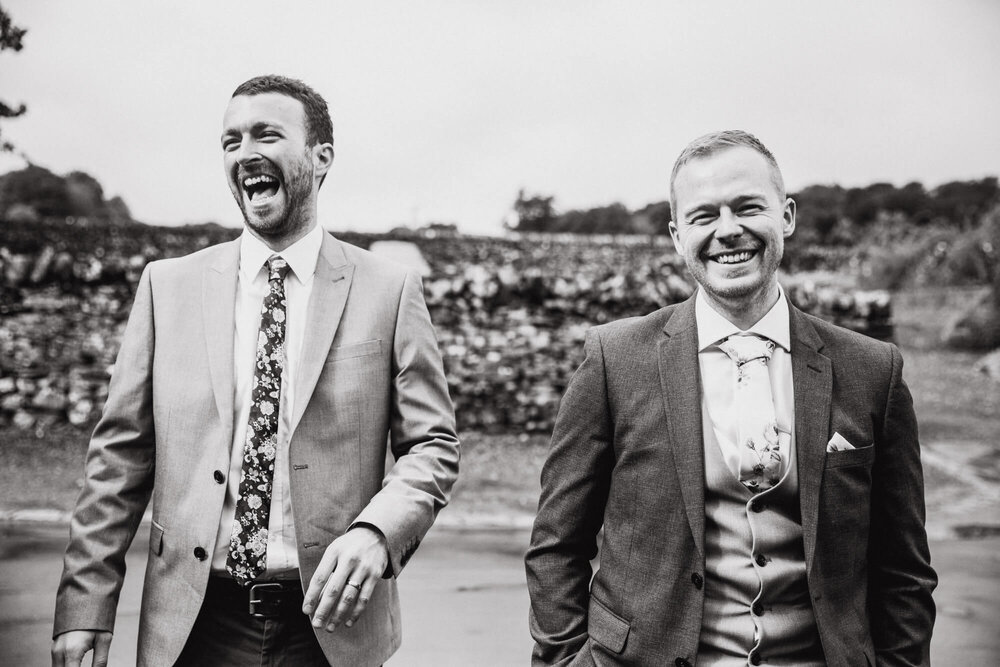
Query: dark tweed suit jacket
(627, 454)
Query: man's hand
(345, 578)
(69, 648)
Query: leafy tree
(613, 219)
(964, 202)
(10, 38)
(38, 188)
(534, 213)
(652, 219)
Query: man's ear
(676, 237)
(788, 217)
(322, 155)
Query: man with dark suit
(755, 470)
(258, 388)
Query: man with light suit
(258, 388)
(755, 470)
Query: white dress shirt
(718, 376)
(251, 288)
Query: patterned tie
(757, 428)
(248, 542)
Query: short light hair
(715, 142)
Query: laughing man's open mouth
(260, 188)
(734, 256)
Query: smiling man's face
(272, 170)
(731, 224)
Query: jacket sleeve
(901, 579)
(575, 482)
(117, 484)
(421, 434)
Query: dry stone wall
(510, 314)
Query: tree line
(827, 214)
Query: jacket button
(681, 662)
(200, 554)
(697, 580)
(757, 608)
(219, 477)
(761, 559)
(758, 506)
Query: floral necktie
(248, 542)
(757, 428)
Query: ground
(474, 577)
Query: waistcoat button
(681, 662)
(697, 580)
(758, 608)
(761, 560)
(219, 477)
(200, 554)
(754, 658)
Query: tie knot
(277, 268)
(742, 348)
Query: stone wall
(510, 314)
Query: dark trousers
(225, 634)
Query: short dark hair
(714, 142)
(319, 127)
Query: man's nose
(247, 152)
(729, 225)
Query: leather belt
(264, 600)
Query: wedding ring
(351, 583)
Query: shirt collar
(713, 327)
(301, 255)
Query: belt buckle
(265, 600)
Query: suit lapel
(812, 377)
(218, 305)
(680, 382)
(331, 286)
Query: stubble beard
(297, 190)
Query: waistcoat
(757, 604)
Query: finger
(318, 582)
(101, 649)
(348, 599)
(68, 653)
(330, 597)
(367, 590)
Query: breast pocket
(860, 456)
(354, 351)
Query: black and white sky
(444, 109)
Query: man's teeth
(257, 180)
(260, 187)
(734, 257)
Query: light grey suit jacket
(628, 454)
(371, 377)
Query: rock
(23, 420)
(49, 399)
(80, 412)
(12, 402)
(42, 264)
(978, 328)
(989, 365)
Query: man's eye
(751, 209)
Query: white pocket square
(838, 444)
